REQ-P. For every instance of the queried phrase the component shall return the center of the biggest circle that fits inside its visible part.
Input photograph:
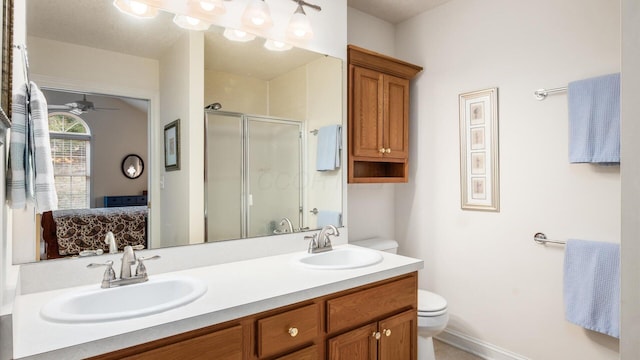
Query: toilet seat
(430, 304)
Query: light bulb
(275, 45)
(190, 23)
(136, 9)
(257, 15)
(238, 35)
(299, 26)
(207, 5)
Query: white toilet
(432, 308)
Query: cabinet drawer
(223, 344)
(287, 330)
(371, 304)
(308, 353)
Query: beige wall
(236, 93)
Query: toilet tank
(387, 245)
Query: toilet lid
(430, 304)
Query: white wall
(182, 97)
(630, 321)
(501, 287)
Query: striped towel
(30, 171)
(18, 190)
(44, 190)
(594, 120)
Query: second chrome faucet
(128, 259)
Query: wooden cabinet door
(224, 344)
(358, 344)
(367, 112)
(396, 117)
(398, 337)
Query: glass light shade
(238, 35)
(275, 45)
(257, 15)
(190, 23)
(136, 8)
(213, 7)
(299, 26)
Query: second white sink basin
(124, 302)
(340, 258)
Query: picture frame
(172, 146)
(7, 62)
(479, 150)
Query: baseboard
(477, 347)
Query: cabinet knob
(386, 332)
(376, 335)
(388, 151)
(382, 151)
(293, 331)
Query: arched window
(70, 140)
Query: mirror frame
(126, 160)
(7, 62)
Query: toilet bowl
(432, 308)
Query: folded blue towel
(329, 145)
(327, 217)
(594, 120)
(592, 285)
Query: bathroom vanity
(265, 308)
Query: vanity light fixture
(136, 8)
(275, 45)
(257, 15)
(238, 35)
(190, 23)
(299, 26)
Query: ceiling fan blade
(105, 108)
(59, 107)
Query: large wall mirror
(260, 139)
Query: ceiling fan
(79, 106)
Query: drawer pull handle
(293, 331)
(376, 335)
(387, 332)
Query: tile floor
(447, 352)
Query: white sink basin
(130, 301)
(340, 258)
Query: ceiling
(394, 11)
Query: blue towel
(594, 120)
(329, 145)
(326, 217)
(592, 285)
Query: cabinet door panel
(223, 344)
(396, 115)
(308, 353)
(399, 334)
(358, 344)
(367, 112)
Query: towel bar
(541, 239)
(541, 94)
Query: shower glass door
(252, 176)
(274, 169)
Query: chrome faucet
(284, 222)
(128, 258)
(322, 242)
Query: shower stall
(253, 167)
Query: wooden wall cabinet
(378, 114)
(375, 321)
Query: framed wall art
(479, 161)
(172, 146)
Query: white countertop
(235, 290)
